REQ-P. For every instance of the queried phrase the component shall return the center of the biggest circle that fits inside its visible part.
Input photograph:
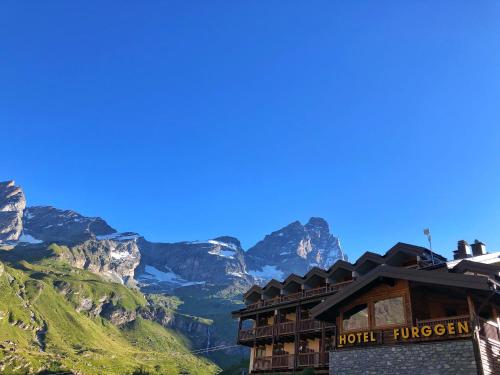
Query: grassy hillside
(49, 320)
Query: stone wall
(444, 357)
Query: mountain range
(188, 287)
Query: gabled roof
(492, 270)
(254, 289)
(369, 256)
(410, 249)
(315, 271)
(384, 271)
(340, 264)
(293, 278)
(273, 283)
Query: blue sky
(187, 120)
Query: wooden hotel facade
(392, 306)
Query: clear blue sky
(187, 120)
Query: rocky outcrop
(118, 316)
(12, 205)
(218, 261)
(50, 224)
(295, 248)
(115, 260)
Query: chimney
(478, 248)
(462, 251)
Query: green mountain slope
(51, 318)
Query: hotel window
(389, 311)
(260, 351)
(355, 318)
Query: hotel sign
(400, 334)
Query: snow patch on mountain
(152, 273)
(127, 236)
(267, 272)
(29, 239)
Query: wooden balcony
(300, 295)
(283, 329)
(286, 328)
(315, 359)
(288, 361)
(309, 325)
(264, 331)
(246, 334)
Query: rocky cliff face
(49, 224)
(295, 248)
(218, 261)
(115, 260)
(12, 205)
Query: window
(355, 318)
(260, 351)
(278, 349)
(389, 311)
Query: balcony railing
(285, 328)
(264, 331)
(451, 319)
(312, 359)
(309, 325)
(288, 361)
(297, 296)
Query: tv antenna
(427, 233)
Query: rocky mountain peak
(228, 240)
(318, 224)
(294, 248)
(12, 204)
(50, 224)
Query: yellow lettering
(359, 336)
(405, 333)
(365, 337)
(351, 338)
(342, 340)
(451, 329)
(414, 332)
(463, 327)
(439, 329)
(396, 333)
(426, 331)
(372, 337)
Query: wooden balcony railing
(264, 331)
(283, 361)
(297, 296)
(312, 359)
(285, 328)
(309, 325)
(246, 334)
(287, 361)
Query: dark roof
(492, 270)
(273, 283)
(293, 278)
(340, 264)
(407, 248)
(368, 256)
(315, 271)
(385, 271)
(253, 289)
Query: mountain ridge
(205, 278)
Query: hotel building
(409, 311)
